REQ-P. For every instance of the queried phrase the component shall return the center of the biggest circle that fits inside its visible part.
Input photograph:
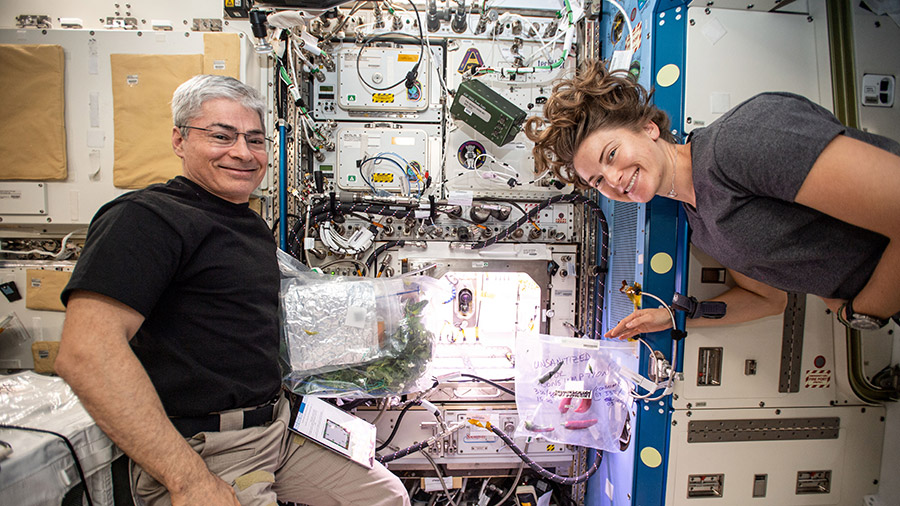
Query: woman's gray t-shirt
(748, 166)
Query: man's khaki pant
(268, 463)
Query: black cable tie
(678, 335)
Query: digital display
(337, 434)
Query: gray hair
(191, 94)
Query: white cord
(541, 176)
(513, 172)
(297, 51)
(58, 255)
(530, 27)
(501, 177)
(308, 125)
(545, 45)
(617, 5)
(361, 28)
(384, 406)
(433, 59)
(645, 383)
(369, 164)
(291, 49)
(440, 477)
(515, 481)
(671, 369)
(361, 240)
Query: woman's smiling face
(622, 164)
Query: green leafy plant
(412, 348)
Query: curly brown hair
(591, 100)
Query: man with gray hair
(172, 332)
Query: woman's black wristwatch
(859, 321)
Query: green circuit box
(485, 110)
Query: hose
(562, 480)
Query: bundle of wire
(537, 468)
(396, 164)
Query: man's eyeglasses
(226, 138)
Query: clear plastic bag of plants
(355, 337)
(573, 391)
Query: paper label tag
(356, 317)
(473, 109)
(621, 60)
(460, 198)
(573, 390)
(574, 342)
(434, 484)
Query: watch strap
(840, 315)
(712, 309)
(698, 309)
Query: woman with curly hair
(777, 190)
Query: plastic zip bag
(355, 337)
(572, 391)
(334, 322)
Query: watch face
(864, 322)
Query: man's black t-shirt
(203, 273)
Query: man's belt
(235, 419)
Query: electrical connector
(411, 77)
(361, 238)
(447, 377)
(430, 407)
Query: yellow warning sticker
(551, 448)
(408, 57)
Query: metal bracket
(206, 25)
(33, 21)
(113, 22)
(767, 429)
(792, 344)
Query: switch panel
(878, 90)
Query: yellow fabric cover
(44, 354)
(32, 105)
(142, 87)
(222, 54)
(43, 288)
